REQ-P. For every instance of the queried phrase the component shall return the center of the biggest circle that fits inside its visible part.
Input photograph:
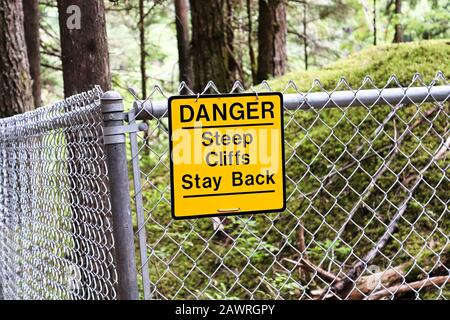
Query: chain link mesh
(366, 218)
(55, 219)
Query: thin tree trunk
(374, 22)
(305, 34)
(272, 30)
(143, 53)
(32, 39)
(398, 36)
(184, 47)
(251, 50)
(143, 58)
(15, 81)
(84, 52)
(209, 45)
(234, 65)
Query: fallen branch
(403, 288)
(309, 266)
(343, 287)
(446, 146)
(366, 285)
(302, 248)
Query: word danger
(251, 110)
(238, 179)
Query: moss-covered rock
(379, 63)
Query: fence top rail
(149, 109)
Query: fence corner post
(116, 159)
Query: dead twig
(302, 248)
(311, 267)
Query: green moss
(379, 63)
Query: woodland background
(164, 42)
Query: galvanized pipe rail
(147, 110)
(116, 159)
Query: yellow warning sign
(227, 154)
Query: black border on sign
(283, 167)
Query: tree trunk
(234, 66)
(85, 63)
(84, 51)
(209, 45)
(398, 36)
(251, 51)
(143, 52)
(184, 49)
(272, 29)
(305, 34)
(374, 22)
(32, 39)
(15, 80)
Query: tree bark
(15, 80)
(305, 34)
(209, 45)
(234, 65)
(374, 22)
(184, 46)
(32, 39)
(398, 36)
(85, 61)
(251, 50)
(272, 30)
(85, 56)
(143, 52)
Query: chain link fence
(55, 219)
(367, 216)
(367, 173)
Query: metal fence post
(116, 160)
